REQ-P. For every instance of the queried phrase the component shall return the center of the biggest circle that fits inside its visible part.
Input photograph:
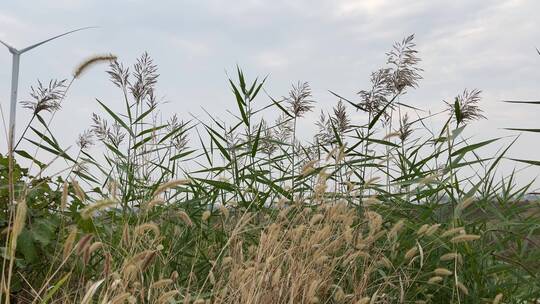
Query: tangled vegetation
(384, 210)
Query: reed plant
(151, 209)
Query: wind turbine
(15, 78)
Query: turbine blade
(55, 37)
(10, 48)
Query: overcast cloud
(333, 44)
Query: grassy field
(384, 210)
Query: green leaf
(142, 142)
(26, 246)
(143, 115)
(220, 147)
(241, 104)
(254, 94)
(534, 102)
(42, 121)
(241, 79)
(55, 152)
(281, 108)
(378, 116)
(55, 288)
(256, 142)
(525, 130)
(181, 155)
(151, 130)
(218, 184)
(43, 231)
(338, 138)
(28, 156)
(44, 137)
(527, 161)
(116, 118)
(473, 147)
(457, 110)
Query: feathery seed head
(185, 218)
(170, 184)
(464, 238)
(498, 298)
(96, 59)
(442, 272)
(435, 280)
(452, 232)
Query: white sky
(333, 44)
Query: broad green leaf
(527, 161)
(256, 142)
(116, 118)
(473, 147)
(55, 288)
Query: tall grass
(384, 210)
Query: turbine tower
(15, 79)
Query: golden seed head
(450, 256)
(411, 253)
(385, 262)
(316, 219)
(154, 202)
(96, 59)
(392, 134)
(121, 298)
(161, 283)
(364, 300)
(452, 231)
(224, 211)
(90, 210)
(374, 221)
(143, 228)
(276, 277)
(442, 272)
(465, 203)
(308, 167)
(312, 289)
(370, 201)
(339, 294)
(498, 298)
(394, 231)
(164, 298)
(341, 154)
(18, 225)
(227, 260)
(63, 200)
(331, 153)
(70, 241)
(129, 272)
(170, 184)
(432, 229)
(462, 288)
(95, 246)
(20, 218)
(314, 300)
(422, 229)
(185, 218)
(84, 243)
(464, 238)
(206, 215)
(78, 190)
(435, 280)
(429, 179)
